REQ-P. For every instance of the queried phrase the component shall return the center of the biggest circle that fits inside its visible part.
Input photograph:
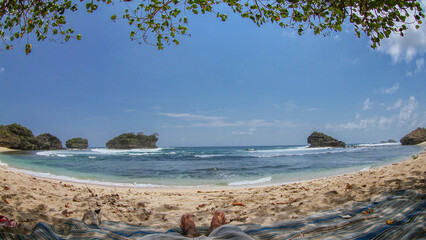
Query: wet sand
(29, 200)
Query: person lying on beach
(218, 230)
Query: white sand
(4, 149)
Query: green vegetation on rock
(49, 142)
(77, 143)
(319, 139)
(132, 141)
(15, 136)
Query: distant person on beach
(218, 230)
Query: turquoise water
(204, 166)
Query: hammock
(394, 215)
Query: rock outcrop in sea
(319, 139)
(415, 137)
(49, 142)
(15, 136)
(77, 143)
(132, 141)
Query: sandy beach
(29, 200)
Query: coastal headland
(29, 200)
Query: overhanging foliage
(161, 22)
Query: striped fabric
(406, 210)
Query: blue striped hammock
(405, 209)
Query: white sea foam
(297, 151)
(208, 155)
(86, 181)
(366, 168)
(58, 153)
(248, 182)
(125, 151)
(46, 153)
(378, 144)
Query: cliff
(318, 139)
(131, 141)
(415, 137)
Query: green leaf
(28, 48)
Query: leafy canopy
(160, 22)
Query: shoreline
(29, 199)
(5, 149)
(290, 178)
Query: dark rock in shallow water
(389, 141)
(15, 136)
(49, 142)
(131, 141)
(318, 139)
(415, 137)
(77, 143)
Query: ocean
(190, 167)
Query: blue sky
(229, 83)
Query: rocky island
(319, 139)
(49, 142)
(132, 141)
(415, 137)
(77, 143)
(15, 136)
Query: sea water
(204, 166)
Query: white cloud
(419, 64)
(406, 48)
(360, 124)
(385, 122)
(290, 105)
(222, 123)
(290, 33)
(367, 104)
(357, 116)
(405, 115)
(2, 69)
(287, 106)
(396, 105)
(312, 109)
(249, 132)
(407, 110)
(197, 120)
(188, 116)
(390, 90)
(363, 124)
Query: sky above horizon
(229, 83)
